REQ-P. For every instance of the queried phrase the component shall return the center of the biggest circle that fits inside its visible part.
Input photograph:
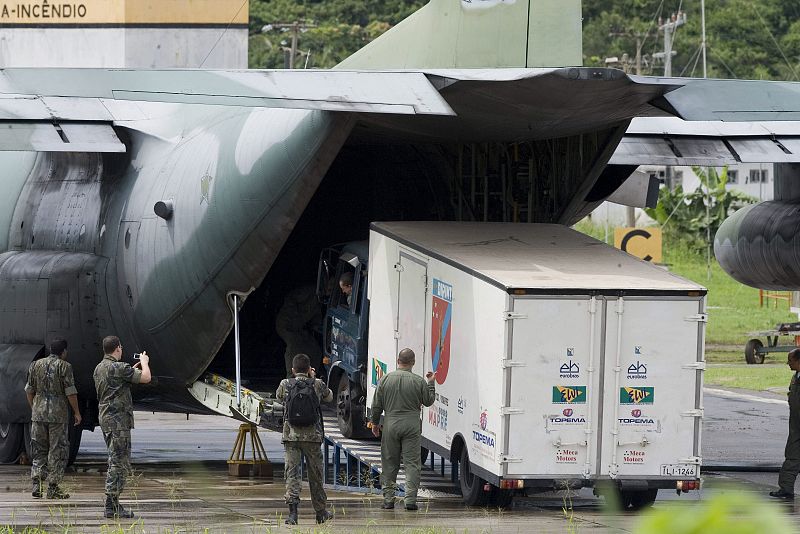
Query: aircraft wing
(447, 105)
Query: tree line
(756, 39)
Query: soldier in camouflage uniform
(791, 465)
(400, 395)
(304, 441)
(113, 379)
(50, 385)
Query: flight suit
(113, 380)
(791, 465)
(299, 315)
(50, 380)
(400, 394)
(299, 441)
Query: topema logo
(569, 394)
(480, 437)
(643, 395)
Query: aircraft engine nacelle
(758, 245)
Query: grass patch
(733, 308)
(756, 377)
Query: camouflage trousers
(118, 443)
(50, 451)
(295, 450)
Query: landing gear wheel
(348, 411)
(11, 435)
(26, 441)
(74, 434)
(471, 484)
(636, 500)
(751, 351)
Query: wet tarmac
(182, 485)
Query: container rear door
(411, 307)
(551, 398)
(651, 423)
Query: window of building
(733, 176)
(758, 176)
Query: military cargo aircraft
(146, 203)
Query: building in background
(124, 33)
(754, 179)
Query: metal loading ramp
(349, 464)
(355, 465)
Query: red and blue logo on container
(441, 320)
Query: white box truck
(561, 362)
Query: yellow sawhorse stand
(239, 465)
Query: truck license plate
(679, 470)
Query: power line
(778, 46)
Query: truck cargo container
(561, 362)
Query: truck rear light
(512, 484)
(687, 485)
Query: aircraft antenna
(221, 35)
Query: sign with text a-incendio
(644, 243)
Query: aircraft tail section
(479, 34)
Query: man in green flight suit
(50, 386)
(400, 395)
(113, 379)
(299, 441)
(791, 465)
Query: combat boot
(115, 510)
(323, 516)
(36, 492)
(55, 492)
(291, 519)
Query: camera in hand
(137, 355)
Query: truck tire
(349, 414)
(636, 500)
(11, 435)
(751, 351)
(471, 484)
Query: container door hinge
(697, 318)
(397, 334)
(508, 410)
(398, 267)
(691, 460)
(697, 412)
(697, 366)
(507, 362)
(510, 315)
(510, 460)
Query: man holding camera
(113, 379)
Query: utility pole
(703, 34)
(669, 28)
(297, 27)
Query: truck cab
(344, 331)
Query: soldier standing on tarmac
(303, 440)
(791, 465)
(113, 379)
(50, 385)
(400, 394)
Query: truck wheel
(350, 415)
(636, 500)
(752, 352)
(11, 435)
(471, 484)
